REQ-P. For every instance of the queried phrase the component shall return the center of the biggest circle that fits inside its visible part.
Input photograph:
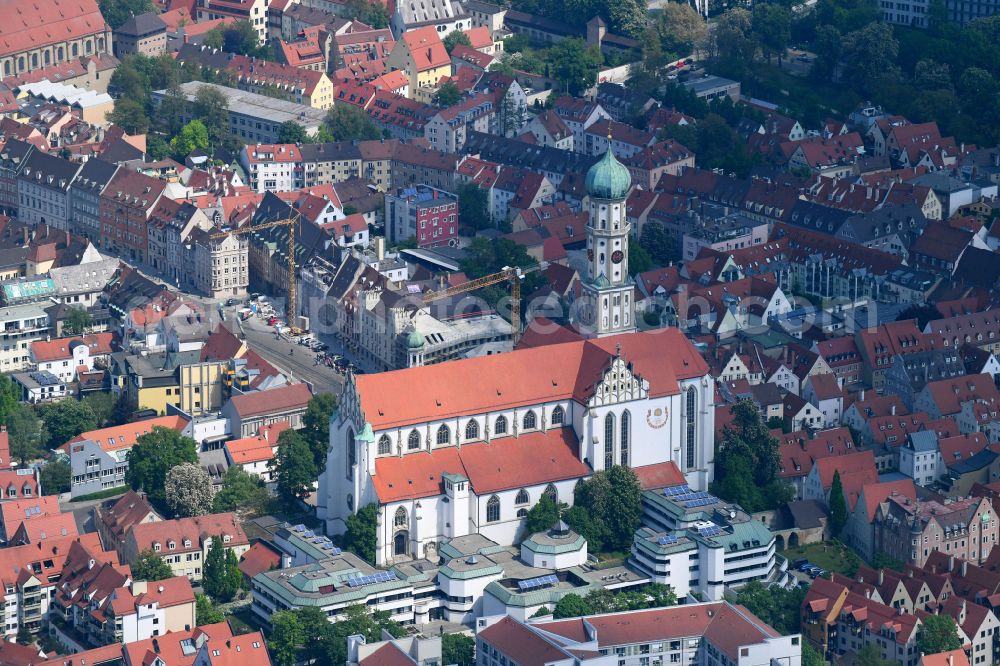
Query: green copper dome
(608, 179)
(414, 340)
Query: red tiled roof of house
(128, 510)
(14, 654)
(952, 658)
(258, 559)
(54, 525)
(531, 376)
(961, 447)
(257, 448)
(520, 644)
(124, 436)
(196, 529)
(825, 386)
(62, 348)
(798, 452)
(426, 48)
(168, 647)
(949, 394)
(859, 462)
(16, 511)
(509, 462)
(876, 493)
(274, 400)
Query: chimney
(892, 410)
(862, 399)
(965, 568)
(881, 576)
(951, 563)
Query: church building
(469, 446)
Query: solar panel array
(333, 550)
(44, 378)
(380, 577)
(667, 540)
(712, 531)
(535, 583)
(299, 528)
(676, 490)
(705, 501)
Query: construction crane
(512, 275)
(291, 223)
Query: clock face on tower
(617, 256)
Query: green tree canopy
(473, 207)
(188, 490)
(55, 477)
(286, 639)
(458, 649)
(361, 537)
(454, 38)
(571, 605)
(212, 108)
(237, 37)
(938, 633)
(316, 422)
(292, 132)
(447, 95)
(575, 65)
(221, 575)
(66, 419)
(193, 136)
(747, 462)
(610, 508)
(294, 464)
(102, 404)
(78, 321)
(152, 457)
(777, 606)
(10, 397)
(25, 434)
(544, 515)
(117, 12)
(151, 567)
(639, 260)
(206, 611)
(772, 26)
(346, 122)
(838, 505)
(241, 492)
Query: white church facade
(469, 446)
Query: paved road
(299, 363)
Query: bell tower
(607, 307)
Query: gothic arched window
(626, 436)
(558, 416)
(609, 441)
(500, 426)
(413, 441)
(493, 509)
(472, 430)
(444, 434)
(529, 422)
(384, 445)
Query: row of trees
(304, 635)
(605, 601)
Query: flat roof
(258, 106)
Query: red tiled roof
(48, 22)
(961, 447)
(62, 348)
(876, 493)
(387, 655)
(662, 475)
(859, 462)
(16, 511)
(426, 48)
(46, 527)
(282, 398)
(257, 448)
(520, 644)
(825, 386)
(123, 436)
(510, 462)
(258, 559)
(529, 376)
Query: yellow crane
(291, 223)
(512, 275)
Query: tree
(130, 115)
(346, 122)
(206, 611)
(292, 132)
(458, 649)
(869, 56)
(286, 638)
(454, 38)
(883, 561)
(772, 25)
(680, 29)
(151, 567)
(102, 404)
(55, 477)
(639, 260)
(810, 656)
(374, 14)
(188, 490)
(24, 636)
(10, 397)
(117, 12)
(747, 462)
(212, 108)
(152, 457)
(25, 434)
(574, 64)
(543, 516)
(221, 576)
(571, 605)
(777, 606)
(473, 207)
(193, 136)
(316, 422)
(66, 419)
(938, 633)
(627, 17)
(237, 37)
(447, 95)
(612, 501)
(294, 464)
(361, 536)
(123, 410)
(838, 505)
(240, 492)
(733, 40)
(870, 655)
(660, 595)
(77, 321)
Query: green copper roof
(366, 434)
(608, 179)
(414, 340)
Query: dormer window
(187, 543)
(171, 545)
(156, 547)
(226, 538)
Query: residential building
(252, 11)
(126, 205)
(272, 167)
(43, 189)
(254, 454)
(679, 634)
(99, 458)
(40, 386)
(424, 213)
(910, 530)
(116, 517)
(248, 412)
(420, 53)
(22, 325)
(85, 197)
(183, 543)
(66, 357)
